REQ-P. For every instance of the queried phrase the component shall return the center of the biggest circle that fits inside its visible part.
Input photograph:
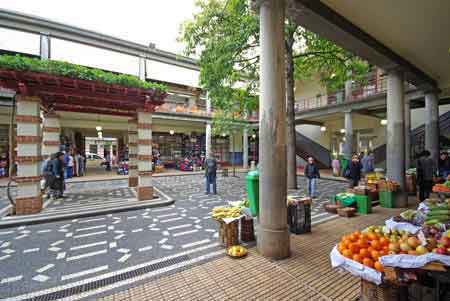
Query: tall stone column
(142, 68)
(132, 153)
(348, 90)
(208, 130)
(395, 151)
(44, 49)
(245, 148)
(50, 135)
(407, 133)
(273, 238)
(432, 124)
(29, 199)
(348, 134)
(144, 151)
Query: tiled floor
(306, 275)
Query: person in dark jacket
(444, 165)
(210, 174)
(57, 175)
(426, 169)
(353, 172)
(311, 174)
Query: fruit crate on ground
(363, 204)
(229, 233)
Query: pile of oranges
(365, 248)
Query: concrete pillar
(348, 134)
(407, 133)
(50, 135)
(273, 238)
(208, 104)
(142, 68)
(395, 152)
(144, 156)
(44, 50)
(29, 199)
(245, 148)
(348, 90)
(132, 153)
(432, 124)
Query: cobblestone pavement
(40, 260)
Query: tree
(224, 34)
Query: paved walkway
(306, 275)
(84, 253)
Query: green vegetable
(431, 222)
(21, 63)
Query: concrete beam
(37, 25)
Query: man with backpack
(210, 174)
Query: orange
(384, 241)
(347, 243)
(347, 253)
(378, 266)
(375, 244)
(375, 255)
(357, 258)
(368, 262)
(383, 252)
(365, 236)
(364, 253)
(354, 248)
(340, 247)
(363, 243)
(353, 237)
(372, 236)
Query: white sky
(141, 21)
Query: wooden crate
(346, 211)
(229, 233)
(373, 292)
(247, 229)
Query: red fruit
(440, 251)
(445, 241)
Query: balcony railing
(359, 92)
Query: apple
(445, 241)
(413, 242)
(440, 251)
(405, 247)
(421, 250)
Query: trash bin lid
(253, 174)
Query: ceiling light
(383, 122)
(100, 135)
(171, 132)
(323, 128)
(342, 131)
(254, 136)
(98, 128)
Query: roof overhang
(411, 35)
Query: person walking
(312, 174)
(336, 167)
(353, 171)
(57, 175)
(210, 174)
(426, 169)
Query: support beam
(208, 142)
(348, 134)
(407, 133)
(395, 151)
(245, 148)
(142, 68)
(132, 153)
(144, 151)
(348, 90)
(45, 47)
(50, 134)
(432, 124)
(28, 120)
(273, 237)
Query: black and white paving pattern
(38, 260)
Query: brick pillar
(132, 153)
(29, 199)
(50, 135)
(144, 151)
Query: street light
(383, 122)
(342, 131)
(171, 132)
(100, 135)
(254, 136)
(98, 128)
(323, 128)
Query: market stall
(411, 249)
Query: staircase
(418, 139)
(305, 147)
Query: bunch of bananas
(237, 251)
(224, 212)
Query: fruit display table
(413, 247)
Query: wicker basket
(332, 208)
(346, 211)
(229, 233)
(373, 292)
(389, 186)
(247, 229)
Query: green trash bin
(363, 204)
(252, 186)
(387, 199)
